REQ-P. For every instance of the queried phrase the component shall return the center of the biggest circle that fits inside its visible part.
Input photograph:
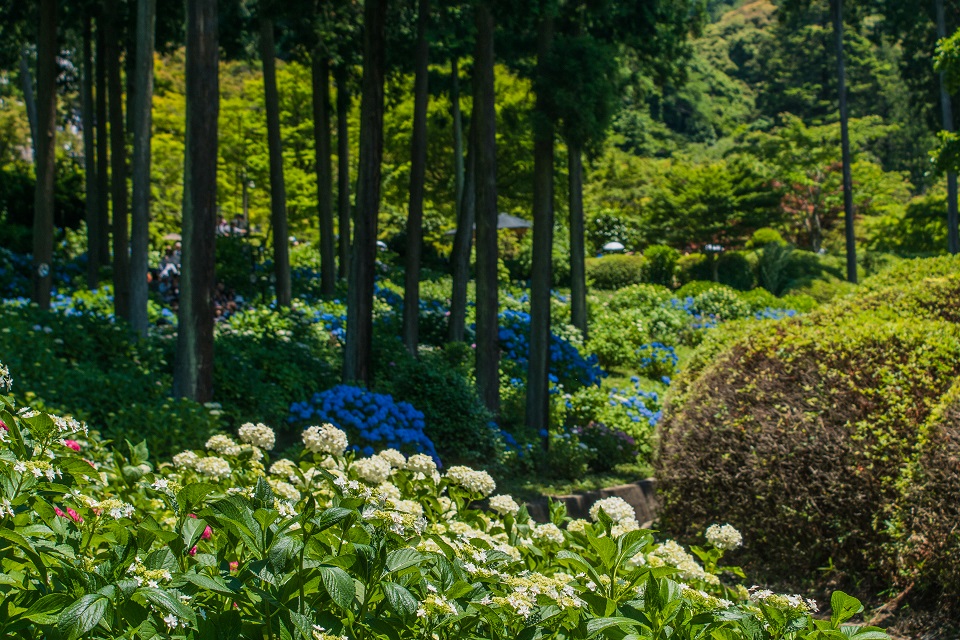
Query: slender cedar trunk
(358, 354)
(418, 171)
(90, 158)
(29, 99)
(343, 171)
(946, 105)
(458, 164)
(46, 154)
(538, 375)
(103, 145)
(463, 240)
(845, 144)
(578, 278)
(142, 121)
(278, 191)
(321, 138)
(194, 362)
(118, 168)
(485, 119)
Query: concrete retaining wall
(640, 495)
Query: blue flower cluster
(641, 406)
(774, 314)
(657, 360)
(567, 365)
(370, 419)
(333, 319)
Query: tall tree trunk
(46, 153)
(343, 171)
(278, 191)
(458, 163)
(29, 99)
(90, 158)
(194, 364)
(463, 240)
(541, 279)
(953, 234)
(118, 166)
(845, 145)
(321, 138)
(142, 121)
(358, 353)
(418, 171)
(578, 278)
(488, 348)
(103, 144)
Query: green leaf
(338, 584)
(215, 584)
(43, 610)
(401, 559)
(401, 601)
(169, 603)
(330, 517)
(82, 615)
(843, 607)
(599, 624)
(193, 494)
(192, 530)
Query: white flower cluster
(472, 480)
(325, 439)
(68, 425)
(373, 470)
(673, 554)
(113, 507)
(6, 508)
(549, 532)
(319, 633)
(616, 508)
(216, 468)
(725, 537)
(150, 577)
(285, 490)
(185, 460)
(285, 468)
(505, 505)
(421, 463)
(6, 380)
(224, 445)
(259, 435)
(435, 604)
(528, 588)
(394, 458)
(578, 526)
(796, 602)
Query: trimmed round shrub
(657, 361)
(696, 287)
(692, 267)
(734, 269)
(930, 538)
(643, 297)
(764, 236)
(721, 304)
(910, 271)
(798, 432)
(759, 299)
(615, 271)
(661, 264)
(616, 336)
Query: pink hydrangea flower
(72, 444)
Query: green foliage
(616, 335)
(774, 266)
(661, 264)
(615, 271)
(764, 236)
(721, 303)
(644, 297)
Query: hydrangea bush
(224, 543)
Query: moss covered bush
(615, 271)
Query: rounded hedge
(798, 432)
(616, 271)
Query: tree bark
(103, 144)
(845, 145)
(578, 278)
(418, 170)
(29, 99)
(463, 240)
(343, 171)
(46, 153)
(194, 362)
(488, 348)
(458, 163)
(142, 122)
(541, 279)
(118, 166)
(321, 137)
(278, 191)
(358, 353)
(946, 106)
(90, 158)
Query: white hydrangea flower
(185, 460)
(389, 491)
(224, 445)
(325, 439)
(259, 435)
(725, 538)
(285, 468)
(421, 463)
(547, 533)
(216, 468)
(504, 505)
(374, 470)
(409, 506)
(577, 526)
(624, 526)
(472, 480)
(396, 459)
(6, 380)
(285, 490)
(616, 508)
